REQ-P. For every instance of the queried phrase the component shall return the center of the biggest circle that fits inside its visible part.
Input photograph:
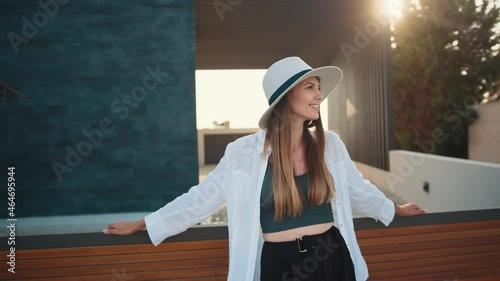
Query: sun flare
(393, 8)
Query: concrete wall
(484, 134)
(108, 124)
(454, 184)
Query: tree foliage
(445, 57)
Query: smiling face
(304, 99)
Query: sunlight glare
(392, 7)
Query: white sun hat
(284, 74)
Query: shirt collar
(261, 139)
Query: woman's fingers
(119, 228)
(416, 209)
(412, 209)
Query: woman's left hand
(409, 209)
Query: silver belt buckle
(299, 241)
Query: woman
(291, 185)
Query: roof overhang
(254, 34)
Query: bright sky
(234, 95)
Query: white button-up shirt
(237, 181)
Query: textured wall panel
(361, 109)
(123, 70)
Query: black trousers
(322, 257)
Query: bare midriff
(294, 233)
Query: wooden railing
(448, 246)
(457, 251)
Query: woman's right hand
(125, 228)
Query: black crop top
(312, 214)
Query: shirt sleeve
(190, 208)
(365, 197)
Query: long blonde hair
(288, 200)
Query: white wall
(454, 184)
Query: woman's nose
(318, 95)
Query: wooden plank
(122, 249)
(143, 276)
(388, 240)
(122, 259)
(441, 244)
(458, 275)
(396, 256)
(129, 268)
(482, 278)
(433, 269)
(453, 227)
(472, 258)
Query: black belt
(302, 247)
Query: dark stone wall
(107, 122)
